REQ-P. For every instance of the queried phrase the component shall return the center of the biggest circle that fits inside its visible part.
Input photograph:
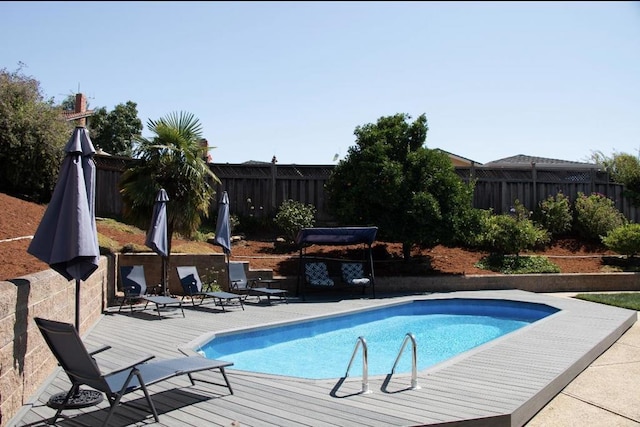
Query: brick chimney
(81, 107)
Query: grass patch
(509, 264)
(116, 225)
(107, 246)
(630, 300)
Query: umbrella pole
(164, 276)
(228, 257)
(78, 305)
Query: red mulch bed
(20, 219)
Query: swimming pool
(321, 348)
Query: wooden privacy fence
(258, 189)
(498, 188)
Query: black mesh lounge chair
(134, 286)
(192, 286)
(82, 369)
(238, 282)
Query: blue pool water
(321, 348)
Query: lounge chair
(317, 274)
(353, 275)
(192, 286)
(238, 282)
(82, 368)
(134, 286)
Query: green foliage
(390, 180)
(554, 214)
(292, 216)
(479, 222)
(32, 137)
(173, 159)
(519, 211)
(116, 131)
(624, 169)
(518, 265)
(595, 216)
(507, 234)
(624, 240)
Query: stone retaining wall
(25, 359)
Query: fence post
(274, 174)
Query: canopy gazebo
(336, 236)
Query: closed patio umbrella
(67, 238)
(157, 234)
(223, 228)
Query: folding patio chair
(81, 367)
(134, 286)
(192, 286)
(238, 282)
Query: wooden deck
(502, 383)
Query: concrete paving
(604, 394)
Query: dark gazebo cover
(336, 236)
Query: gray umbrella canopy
(223, 227)
(157, 235)
(67, 238)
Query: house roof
(522, 160)
(459, 160)
(70, 115)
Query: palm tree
(174, 160)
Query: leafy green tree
(173, 160)
(116, 131)
(33, 134)
(391, 180)
(69, 103)
(624, 169)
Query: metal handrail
(414, 359)
(365, 363)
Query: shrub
(554, 214)
(519, 211)
(477, 227)
(293, 216)
(596, 216)
(518, 265)
(509, 235)
(624, 240)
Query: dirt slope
(20, 219)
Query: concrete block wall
(25, 359)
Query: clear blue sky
(294, 79)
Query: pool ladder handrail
(365, 364)
(414, 359)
